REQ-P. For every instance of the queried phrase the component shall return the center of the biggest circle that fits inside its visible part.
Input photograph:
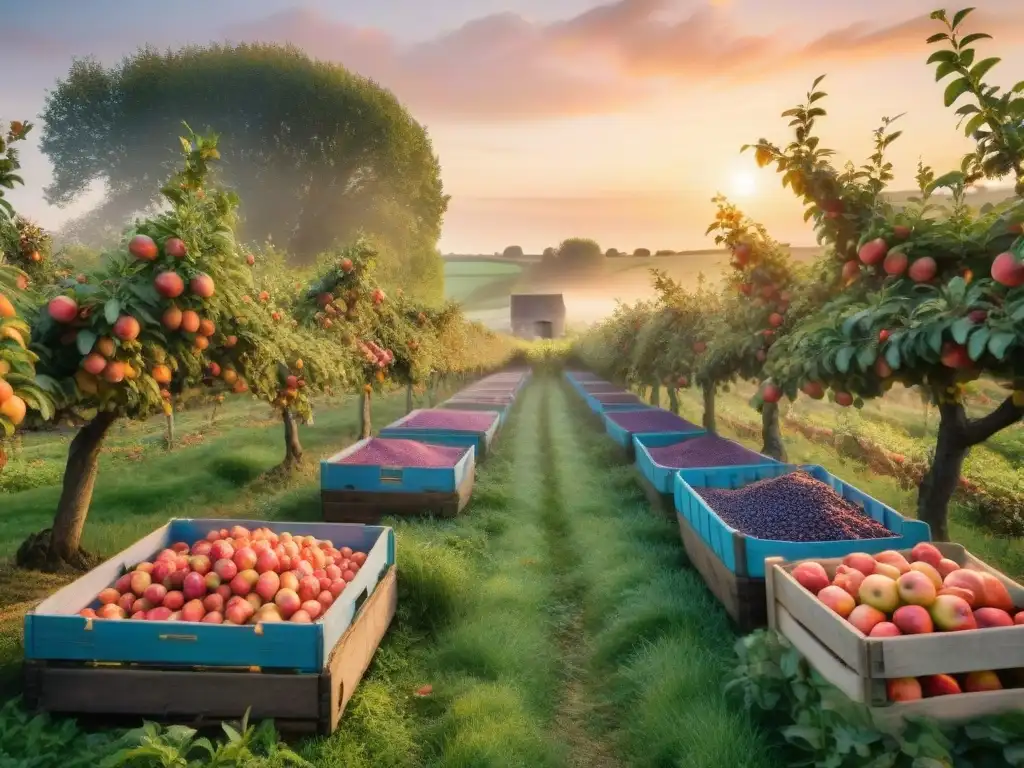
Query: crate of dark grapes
(926, 631)
(736, 517)
(660, 456)
(385, 476)
(623, 425)
(448, 426)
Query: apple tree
(756, 310)
(934, 292)
(151, 321)
(671, 342)
(20, 390)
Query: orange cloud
(503, 67)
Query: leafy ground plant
(177, 746)
(815, 724)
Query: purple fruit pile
(384, 452)
(705, 451)
(652, 420)
(792, 507)
(615, 398)
(469, 421)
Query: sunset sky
(556, 118)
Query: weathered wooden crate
(859, 665)
(369, 507)
(299, 674)
(663, 477)
(742, 597)
(297, 702)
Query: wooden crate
(200, 696)
(368, 507)
(478, 439)
(742, 597)
(660, 502)
(859, 665)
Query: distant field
(483, 287)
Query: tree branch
(1007, 414)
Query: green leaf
(112, 310)
(85, 341)
(893, 356)
(957, 288)
(1018, 88)
(936, 37)
(978, 343)
(974, 37)
(975, 123)
(955, 90)
(962, 329)
(980, 69)
(999, 343)
(843, 359)
(960, 16)
(935, 338)
(944, 55)
(866, 356)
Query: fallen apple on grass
(234, 576)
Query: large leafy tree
(19, 390)
(315, 151)
(934, 294)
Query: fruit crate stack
(381, 476)
(660, 456)
(621, 400)
(447, 426)
(198, 623)
(500, 404)
(930, 631)
(622, 426)
(732, 518)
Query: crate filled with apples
(930, 630)
(172, 625)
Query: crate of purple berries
(623, 425)
(447, 427)
(392, 476)
(386, 465)
(490, 405)
(748, 513)
(659, 456)
(603, 402)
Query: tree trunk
(771, 432)
(708, 392)
(292, 446)
(365, 425)
(655, 395)
(432, 390)
(76, 492)
(673, 400)
(957, 435)
(409, 403)
(213, 413)
(169, 432)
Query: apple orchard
(929, 295)
(183, 306)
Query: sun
(743, 184)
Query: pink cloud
(503, 67)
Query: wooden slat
(959, 708)
(353, 654)
(828, 666)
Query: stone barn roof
(537, 305)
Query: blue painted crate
(661, 477)
(54, 631)
(480, 440)
(335, 476)
(624, 437)
(472, 405)
(745, 555)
